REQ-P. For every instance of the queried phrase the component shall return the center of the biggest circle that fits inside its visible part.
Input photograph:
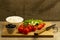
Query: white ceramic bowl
(14, 19)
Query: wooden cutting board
(48, 33)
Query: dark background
(37, 9)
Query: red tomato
(40, 26)
(29, 27)
(34, 28)
(26, 31)
(20, 29)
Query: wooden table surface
(48, 33)
(25, 38)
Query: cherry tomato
(30, 27)
(26, 31)
(34, 28)
(20, 29)
(40, 26)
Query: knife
(45, 29)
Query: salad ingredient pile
(30, 25)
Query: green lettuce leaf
(32, 21)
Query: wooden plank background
(37, 9)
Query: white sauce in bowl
(14, 19)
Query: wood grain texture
(21, 38)
(48, 33)
(37, 9)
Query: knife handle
(46, 29)
(52, 26)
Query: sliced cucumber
(32, 21)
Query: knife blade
(45, 29)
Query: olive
(10, 26)
(36, 24)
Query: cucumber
(32, 21)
